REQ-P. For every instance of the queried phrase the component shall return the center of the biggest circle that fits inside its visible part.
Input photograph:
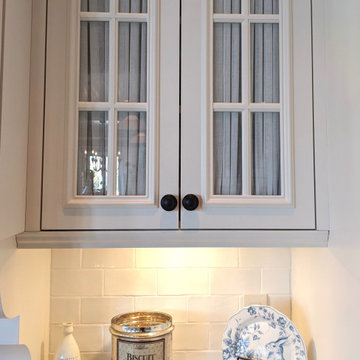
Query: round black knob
(168, 202)
(190, 202)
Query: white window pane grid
(247, 108)
(113, 107)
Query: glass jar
(142, 336)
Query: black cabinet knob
(190, 202)
(168, 202)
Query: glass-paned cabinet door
(104, 111)
(246, 78)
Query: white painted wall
(326, 282)
(25, 291)
(24, 275)
(14, 116)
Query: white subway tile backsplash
(264, 257)
(75, 282)
(64, 310)
(200, 287)
(281, 303)
(56, 336)
(130, 282)
(253, 299)
(88, 337)
(160, 258)
(179, 355)
(95, 356)
(107, 339)
(183, 282)
(191, 337)
(176, 306)
(235, 281)
(65, 258)
(102, 310)
(90, 356)
(212, 257)
(276, 281)
(216, 332)
(180, 258)
(197, 355)
(212, 308)
(108, 258)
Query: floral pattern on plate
(261, 332)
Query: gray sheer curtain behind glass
(265, 85)
(227, 6)
(264, 6)
(95, 5)
(132, 62)
(92, 153)
(133, 6)
(266, 170)
(94, 61)
(227, 88)
(131, 159)
(227, 153)
(266, 154)
(132, 87)
(227, 63)
(93, 86)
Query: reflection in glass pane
(265, 63)
(95, 5)
(227, 62)
(131, 153)
(132, 62)
(264, 6)
(94, 61)
(92, 153)
(227, 6)
(227, 153)
(266, 173)
(133, 6)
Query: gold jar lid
(141, 324)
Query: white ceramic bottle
(69, 349)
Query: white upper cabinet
(177, 115)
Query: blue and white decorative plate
(261, 332)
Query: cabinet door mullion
(246, 153)
(112, 160)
